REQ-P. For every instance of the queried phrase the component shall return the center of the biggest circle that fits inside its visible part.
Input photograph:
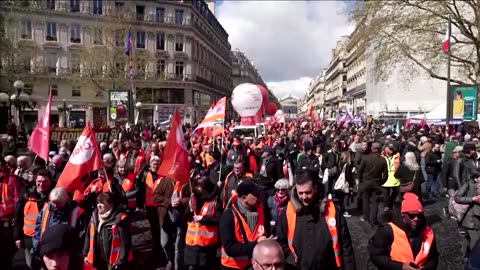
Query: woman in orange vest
(407, 243)
(127, 181)
(201, 241)
(108, 243)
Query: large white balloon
(247, 99)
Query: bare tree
(409, 33)
(105, 64)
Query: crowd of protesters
(277, 201)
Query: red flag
(446, 40)
(310, 111)
(175, 163)
(39, 141)
(85, 158)
(424, 121)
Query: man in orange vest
(242, 226)
(232, 180)
(312, 232)
(406, 244)
(27, 210)
(135, 158)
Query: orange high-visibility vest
(74, 215)
(225, 189)
(330, 218)
(402, 250)
(138, 162)
(128, 185)
(7, 199)
(30, 214)
(199, 234)
(151, 185)
(242, 262)
(207, 159)
(116, 243)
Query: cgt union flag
(85, 158)
(175, 164)
(39, 141)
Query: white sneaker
(346, 214)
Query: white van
(249, 132)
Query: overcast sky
(290, 42)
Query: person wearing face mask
(242, 225)
(407, 243)
(59, 210)
(312, 231)
(27, 209)
(108, 243)
(278, 201)
(201, 241)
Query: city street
(448, 240)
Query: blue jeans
(433, 184)
(423, 166)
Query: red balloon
(271, 108)
(264, 95)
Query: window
(98, 7)
(179, 69)
(141, 69)
(178, 16)
(51, 31)
(97, 36)
(97, 68)
(196, 98)
(160, 95)
(50, 4)
(160, 15)
(25, 63)
(75, 33)
(74, 5)
(141, 40)
(140, 13)
(28, 89)
(54, 89)
(75, 64)
(177, 96)
(27, 29)
(76, 92)
(179, 42)
(161, 41)
(160, 67)
(51, 62)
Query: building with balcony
(336, 80)
(179, 58)
(356, 75)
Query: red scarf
(281, 203)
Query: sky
(289, 42)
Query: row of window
(76, 90)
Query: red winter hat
(411, 203)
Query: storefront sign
(72, 134)
(465, 102)
(118, 109)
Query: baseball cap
(60, 237)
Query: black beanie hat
(61, 237)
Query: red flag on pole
(424, 120)
(310, 111)
(175, 163)
(39, 141)
(85, 158)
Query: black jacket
(313, 241)
(447, 175)
(308, 164)
(463, 168)
(433, 161)
(19, 210)
(464, 195)
(380, 244)
(104, 236)
(230, 244)
(372, 170)
(274, 172)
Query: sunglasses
(415, 215)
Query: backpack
(457, 210)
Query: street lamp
(138, 105)
(19, 100)
(66, 111)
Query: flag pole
(449, 92)
(221, 146)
